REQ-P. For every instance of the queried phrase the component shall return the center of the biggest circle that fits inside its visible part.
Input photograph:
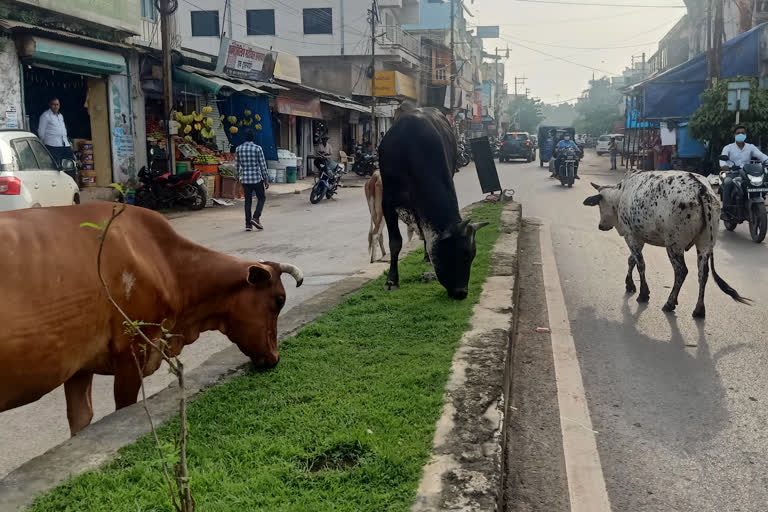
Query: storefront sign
(287, 68)
(296, 107)
(121, 129)
(395, 83)
(241, 60)
(478, 107)
(11, 118)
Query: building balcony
(402, 44)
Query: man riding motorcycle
(560, 153)
(739, 154)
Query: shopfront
(92, 87)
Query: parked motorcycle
(749, 204)
(464, 154)
(328, 179)
(160, 190)
(365, 162)
(566, 167)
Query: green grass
(345, 422)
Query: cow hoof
(700, 312)
(631, 290)
(642, 299)
(392, 286)
(668, 308)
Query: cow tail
(725, 286)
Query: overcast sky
(568, 31)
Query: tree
(598, 108)
(714, 123)
(563, 114)
(526, 113)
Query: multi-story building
(333, 42)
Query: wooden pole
(165, 34)
(374, 133)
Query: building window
(205, 23)
(318, 21)
(261, 22)
(148, 10)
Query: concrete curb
(99, 442)
(467, 466)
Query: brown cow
(374, 190)
(59, 328)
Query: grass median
(344, 423)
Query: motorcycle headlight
(756, 180)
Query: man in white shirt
(53, 132)
(739, 154)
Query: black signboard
(486, 166)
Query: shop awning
(211, 82)
(675, 93)
(69, 56)
(348, 106)
(20, 27)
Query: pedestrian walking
(614, 151)
(53, 132)
(252, 168)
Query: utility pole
(166, 10)
(717, 42)
(642, 72)
(710, 64)
(374, 15)
(518, 81)
(453, 56)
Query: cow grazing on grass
(59, 328)
(373, 196)
(676, 210)
(418, 160)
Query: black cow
(418, 159)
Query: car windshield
(604, 138)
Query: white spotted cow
(671, 209)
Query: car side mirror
(67, 165)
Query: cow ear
(593, 200)
(258, 274)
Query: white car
(605, 140)
(29, 177)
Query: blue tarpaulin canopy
(676, 92)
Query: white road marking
(586, 484)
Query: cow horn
(597, 187)
(478, 225)
(294, 271)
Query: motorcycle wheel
(199, 198)
(730, 225)
(360, 171)
(758, 222)
(318, 191)
(145, 199)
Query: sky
(571, 32)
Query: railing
(395, 36)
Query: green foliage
(531, 113)
(713, 122)
(598, 109)
(344, 423)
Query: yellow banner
(395, 83)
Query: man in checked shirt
(252, 167)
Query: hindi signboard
(244, 61)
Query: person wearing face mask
(560, 149)
(739, 154)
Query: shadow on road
(668, 391)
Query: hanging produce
(207, 110)
(232, 119)
(198, 126)
(257, 117)
(258, 127)
(222, 118)
(207, 133)
(208, 122)
(247, 113)
(188, 128)
(233, 129)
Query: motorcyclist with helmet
(739, 153)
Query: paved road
(680, 407)
(328, 241)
